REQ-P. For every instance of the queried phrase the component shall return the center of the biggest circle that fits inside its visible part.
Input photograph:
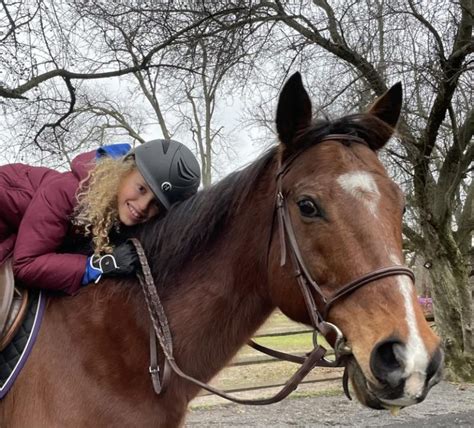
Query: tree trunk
(206, 177)
(452, 304)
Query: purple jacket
(37, 204)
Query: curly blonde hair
(97, 210)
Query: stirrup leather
(13, 305)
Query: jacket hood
(82, 164)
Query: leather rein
(308, 286)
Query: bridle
(305, 280)
(308, 287)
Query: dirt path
(447, 405)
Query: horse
(221, 267)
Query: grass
(293, 343)
(329, 392)
(278, 321)
(300, 342)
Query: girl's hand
(122, 261)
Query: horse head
(344, 216)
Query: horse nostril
(386, 361)
(435, 368)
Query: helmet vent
(184, 171)
(166, 145)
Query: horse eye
(308, 208)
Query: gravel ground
(447, 405)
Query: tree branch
(53, 126)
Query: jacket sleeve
(42, 230)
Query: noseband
(308, 286)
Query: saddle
(13, 305)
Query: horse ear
(387, 107)
(293, 111)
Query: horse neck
(217, 302)
(223, 296)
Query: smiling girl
(68, 229)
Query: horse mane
(191, 226)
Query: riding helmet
(169, 168)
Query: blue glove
(123, 261)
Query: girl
(67, 229)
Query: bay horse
(218, 266)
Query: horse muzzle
(395, 385)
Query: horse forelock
(372, 130)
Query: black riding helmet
(169, 168)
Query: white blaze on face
(362, 186)
(414, 354)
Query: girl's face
(136, 202)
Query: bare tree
(53, 47)
(183, 93)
